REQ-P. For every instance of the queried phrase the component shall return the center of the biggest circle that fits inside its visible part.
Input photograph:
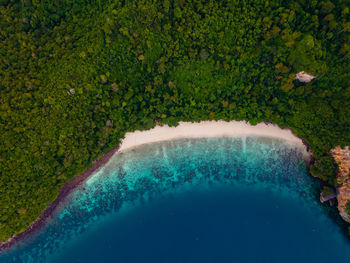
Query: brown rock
(342, 157)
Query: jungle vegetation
(76, 75)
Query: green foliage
(347, 208)
(324, 168)
(76, 75)
(307, 56)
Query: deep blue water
(193, 200)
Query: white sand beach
(132, 140)
(207, 129)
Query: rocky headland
(342, 158)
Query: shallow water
(193, 200)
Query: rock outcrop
(342, 157)
(325, 198)
(302, 76)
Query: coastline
(67, 189)
(207, 129)
(132, 140)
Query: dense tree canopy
(76, 75)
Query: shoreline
(210, 129)
(66, 190)
(207, 129)
(132, 140)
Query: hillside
(75, 76)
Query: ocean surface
(193, 200)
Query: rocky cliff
(342, 157)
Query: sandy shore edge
(203, 129)
(208, 129)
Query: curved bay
(205, 200)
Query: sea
(246, 199)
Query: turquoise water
(193, 200)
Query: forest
(76, 75)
